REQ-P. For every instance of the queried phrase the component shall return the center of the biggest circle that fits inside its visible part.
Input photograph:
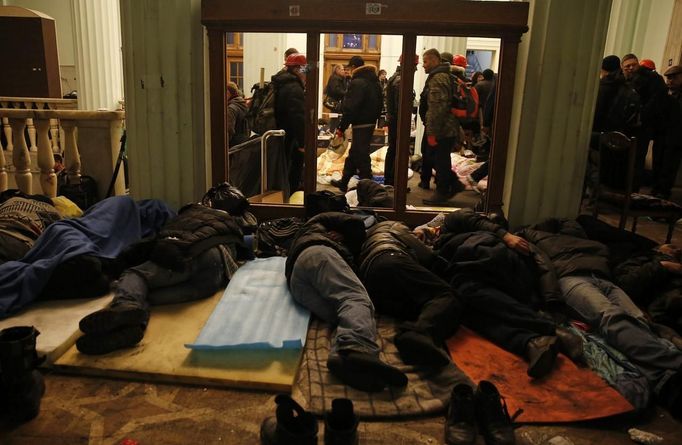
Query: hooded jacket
(237, 127)
(364, 100)
(290, 106)
(316, 233)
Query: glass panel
(352, 41)
(262, 62)
(371, 142)
(372, 42)
(230, 38)
(452, 164)
(333, 40)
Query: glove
(431, 140)
(338, 133)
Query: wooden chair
(616, 166)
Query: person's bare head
(431, 59)
(671, 250)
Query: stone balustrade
(87, 140)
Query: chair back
(616, 163)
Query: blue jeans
(323, 282)
(609, 310)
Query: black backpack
(83, 194)
(325, 201)
(625, 110)
(261, 114)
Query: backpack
(464, 100)
(83, 194)
(325, 201)
(261, 114)
(624, 112)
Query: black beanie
(610, 63)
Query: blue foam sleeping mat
(256, 312)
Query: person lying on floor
(192, 257)
(320, 274)
(586, 286)
(394, 268)
(502, 281)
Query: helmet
(648, 63)
(296, 59)
(416, 59)
(459, 60)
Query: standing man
(290, 112)
(651, 89)
(669, 159)
(441, 128)
(392, 112)
(237, 125)
(361, 108)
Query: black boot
(420, 350)
(21, 386)
(291, 425)
(541, 354)
(341, 425)
(492, 416)
(364, 371)
(571, 345)
(460, 423)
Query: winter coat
(392, 236)
(315, 233)
(608, 88)
(290, 106)
(196, 229)
(652, 91)
(237, 126)
(474, 250)
(336, 87)
(371, 194)
(436, 102)
(483, 88)
(568, 248)
(363, 101)
(673, 120)
(393, 96)
(642, 277)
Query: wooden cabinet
(28, 47)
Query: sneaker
(339, 184)
(541, 353)
(460, 422)
(98, 344)
(492, 415)
(420, 350)
(113, 317)
(341, 424)
(290, 425)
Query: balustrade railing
(39, 134)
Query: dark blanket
(103, 231)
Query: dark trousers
(438, 157)
(296, 158)
(389, 164)
(481, 172)
(666, 162)
(404, 289)
(358, 155)
(149, 283)
(501, 318)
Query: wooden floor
(90, 410)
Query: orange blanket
(567, 394)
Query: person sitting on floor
(319, 271)
(502, 281)
(394, 268)
(192, 257)
(584, 276)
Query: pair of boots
(292, 425)
(21, 385)
(115, 327)
(485, 408)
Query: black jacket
(237, 126)
(474, 250)
(392, 236)
(336, 87)
(608, 87)
(652, 91)
(642, 277)
(568, 248)
(289, 106)
(364, 99)
(371, 194)
(314, 233)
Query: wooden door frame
(409, 18)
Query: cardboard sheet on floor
(57, 321)
(162, 356)
(567, 394)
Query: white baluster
(8, 133)
(72, 159)
(48, 179)
(3, 168)
(20, 156)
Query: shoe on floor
(541, 353)
(113, 317)
(460, 421)
(290, 425)
(492, 415)
(98, 344)
(420, 350)
(341, 424)
(364, 371)
(339, 184)
(424, 185)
